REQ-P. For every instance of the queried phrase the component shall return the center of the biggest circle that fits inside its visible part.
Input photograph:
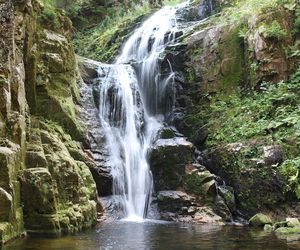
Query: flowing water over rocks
(133, 98)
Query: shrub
(290, 170)
(297, 22)
(274, 31)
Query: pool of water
(159, 235)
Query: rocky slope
(45, 182)
(238, 103)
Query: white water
(132, 105)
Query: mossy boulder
(293, 222)
(259, 220)
(167, 160)
(243, 167)
(64, 190)
(201, 183)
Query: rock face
(231, 163)
(92, 70)
(42, 164)
(220, 58)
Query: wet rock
(174, 201)
(292, 222)
(222, 209)
(90, 69)
(201, 183)
(167, 159)
(207, 215)
(259, 220)
(227, 194)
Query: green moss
(232, 50)
(288, 231)
(297, 21)
(201, 184)
(259, 220)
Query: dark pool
(160, 235)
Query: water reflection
(161, 236)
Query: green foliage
(273, 31)
(290, 170)
(49, 15)
(103, 41)
(107, 26)
(297, 21)
(272, 114)
(240, 11)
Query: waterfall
(133, 101)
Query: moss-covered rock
(168, 158)
(201, 184)
(259, 220)
(38, 76)
(293, 222)
(64, 191)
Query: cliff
(45, 182)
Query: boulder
(38, 191)
(90, 69)
(167, 159)
(273, 154)
(259, 220)
(174, 201)
(201, 183)
(293, 222)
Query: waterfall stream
(133, 101)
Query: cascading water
(132, 105)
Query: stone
(288, 230)
(174, 201)
(89, 69)
(167, 159)
(222, 209)
(259, 220)
(38, 192)
(206, 215)
(228, 195)
(293, 222)
(6, 204)
(273, 154)
(230, 163)
(201, 183)
(268, 228)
